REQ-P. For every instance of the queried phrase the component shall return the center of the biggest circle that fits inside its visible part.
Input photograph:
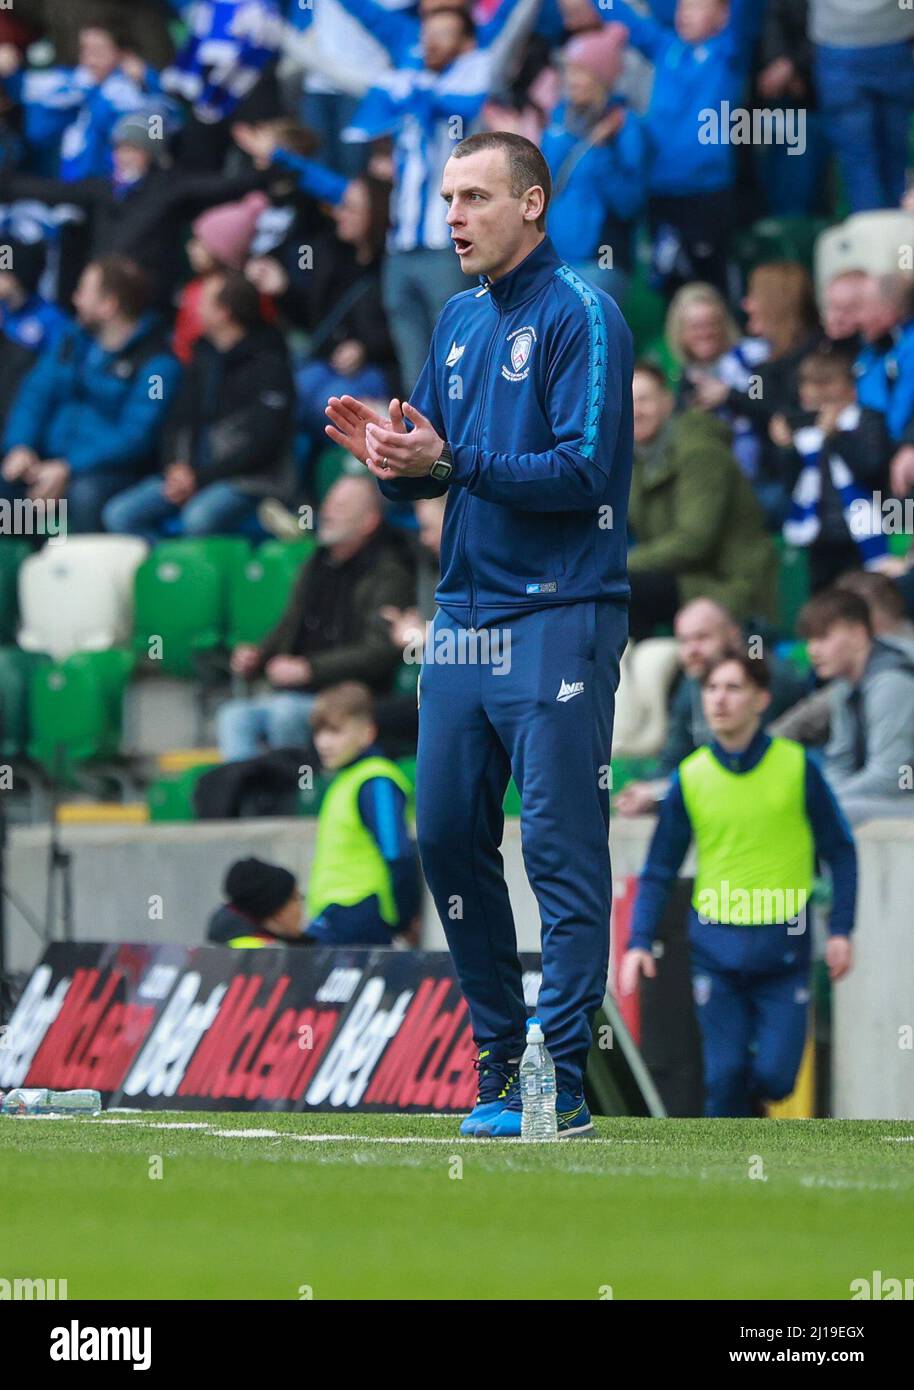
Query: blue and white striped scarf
(861, 513)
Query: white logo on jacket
(522, 341)
(568, 690)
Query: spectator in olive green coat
(696, 526)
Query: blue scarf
(861, 516)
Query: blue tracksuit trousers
(751, 990)
(541, 707)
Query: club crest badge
(521, 343)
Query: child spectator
(703, 338)
(364, 885)
(597, 154)
(839, 453)
(699, 65)
(221, 240)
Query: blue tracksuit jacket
(528, 379)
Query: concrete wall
(117, 870)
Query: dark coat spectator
(228, 440)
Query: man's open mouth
(461, 245)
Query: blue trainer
(497, 1085)
(571, 1113)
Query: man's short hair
(338, 703)
(526, 166)
(656, 374)
(127, 282)
(877, 591)
(831, 606)
(821, 366)
(240, 300)
(755, 668)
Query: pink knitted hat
(228, 230)
(599, 51)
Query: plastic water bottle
(537, 1087)
(40, 1101)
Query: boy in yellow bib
(365, 886)
(760, 811)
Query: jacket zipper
(480, 415)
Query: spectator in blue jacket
(597, 154)
(86, 419)
(28, 322)
(70, 113)
(699, 65)
(885, 367)
(428, 110)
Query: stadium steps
(103, 813)
(180, 760)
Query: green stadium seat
(172, 798)
(16, 669)
(512, 803)
(793, 584)
(76, 708)
(225, 552)
(258, 589)
(12, 553)
(645, 313)
(407, 678)
(180, 603)
(658, 352)
(778, 239)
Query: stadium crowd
(217, 215)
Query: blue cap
(531, 1021)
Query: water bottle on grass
(537, 1087)
(27, 1100)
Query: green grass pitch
(397, 1207)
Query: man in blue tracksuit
(759, 811)
(522, 415)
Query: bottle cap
(534, 1030)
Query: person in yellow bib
(365, 886)
(759, 811)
